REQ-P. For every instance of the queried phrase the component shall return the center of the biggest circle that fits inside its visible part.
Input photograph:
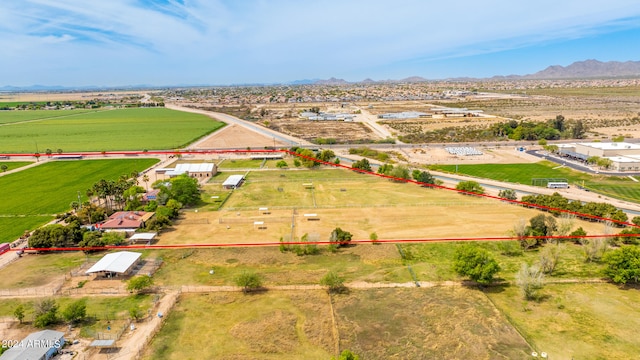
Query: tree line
(109, 196)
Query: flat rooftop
(611, 145)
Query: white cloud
(286, 36)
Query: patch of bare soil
(234, 136)
(493, 155)
(340, 131)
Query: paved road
(578, 166)
(229, 119)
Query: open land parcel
(370, 263)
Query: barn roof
(233, 180)
(34, 346)
(118, 262)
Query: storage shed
(118, 263)
(233, 181)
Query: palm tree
(145, 178)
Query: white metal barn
(118, 263)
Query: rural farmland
(34, 196)
(105, 130)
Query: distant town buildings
(624, 156)
(322, 116)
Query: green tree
(307, 158)
(46, 313)
(423, 177)
(374, 238)
(326, 155)
(578, 234)
(113, 238)
(340, 237)
(136, 313)
(333, 282)
(19, 313)
(281, 164)
(347, 355)
(385, 169)
(470, 187)
(76, 311)
(185, 190)
(140, 283)
(362, 164)
(623, 264)
(558, 123)
(4, 167)
(145, 179)
(475, 263)
(296, 162)
(578, 130)
(249, 281)
(508, 194)
(400, 172)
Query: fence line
(423, 204)
(252, 220)
(156, 328)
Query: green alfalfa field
(104, 130)
(33, 196)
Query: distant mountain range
(588, 69)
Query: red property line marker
(292, 153)
(271, 244)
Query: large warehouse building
(624, 156)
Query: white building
(41, 345)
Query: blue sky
(220, 42)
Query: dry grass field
(433, 323)
(576, 321)
(39, 270)
(272, 325)
(370, 263)
(376, 324)
(357, 203)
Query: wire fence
(252, 220)
(47, 290)
(156, 324)
(342, 206)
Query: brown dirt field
(629, 131)
(234, 136)
(464, 217)
(71, 96)
(310, 130)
